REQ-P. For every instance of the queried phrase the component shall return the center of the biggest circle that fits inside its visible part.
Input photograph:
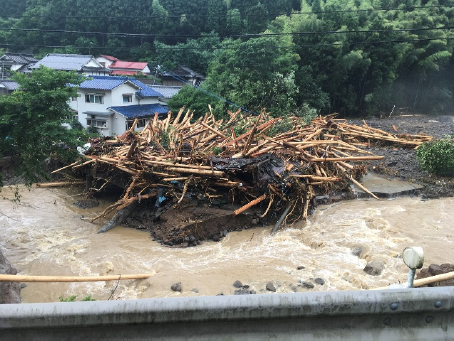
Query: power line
(143, 35)
(226, 15)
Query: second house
(111, 104)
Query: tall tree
(32, 118)
(255, 74)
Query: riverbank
(401, 163)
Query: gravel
(401, 163)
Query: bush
(437, 157)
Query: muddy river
(44, 234)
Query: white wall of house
(145, 70)
(122, 92)
(119, 96)
(16, 67)
(104, 61)
(93, 63)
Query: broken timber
(277, 164)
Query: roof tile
(144, 110)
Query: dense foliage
(437, 157)
(348, 56)
(32, 118)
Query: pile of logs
(281, 163)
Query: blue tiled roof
(111, 82)
(103, 82)
(145, 91)
(145, 110)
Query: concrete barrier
(404, 314)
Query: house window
(127, 98)
(97, 123)
(93, 98)
(140, 123)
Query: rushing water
(44, 234)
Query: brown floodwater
(44, 234)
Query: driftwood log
(23, 278)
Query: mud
(401, 163)
(191, 222)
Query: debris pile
(279, 163)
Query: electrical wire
(227, 14)
(145, 35)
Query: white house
(124, 68)
(84, 64)
(106, 60)
(110, 104)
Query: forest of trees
(354, 57)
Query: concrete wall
(404, 314)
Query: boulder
(319, 281)
(360, 251)
(307, 285)
(244, 292)
(270, 287)
(237, 284)
(374, 268)
(177, 287)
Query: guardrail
(416, 314)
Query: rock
(270, 287)
(195, 290)
(9, 291)
(374, 268)
(177, 287)
(360, 251)
(307, 285)
(237, 284)
(301, 267)
(435, 269)
(319, 281)
(294, 288)
(244, 292)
